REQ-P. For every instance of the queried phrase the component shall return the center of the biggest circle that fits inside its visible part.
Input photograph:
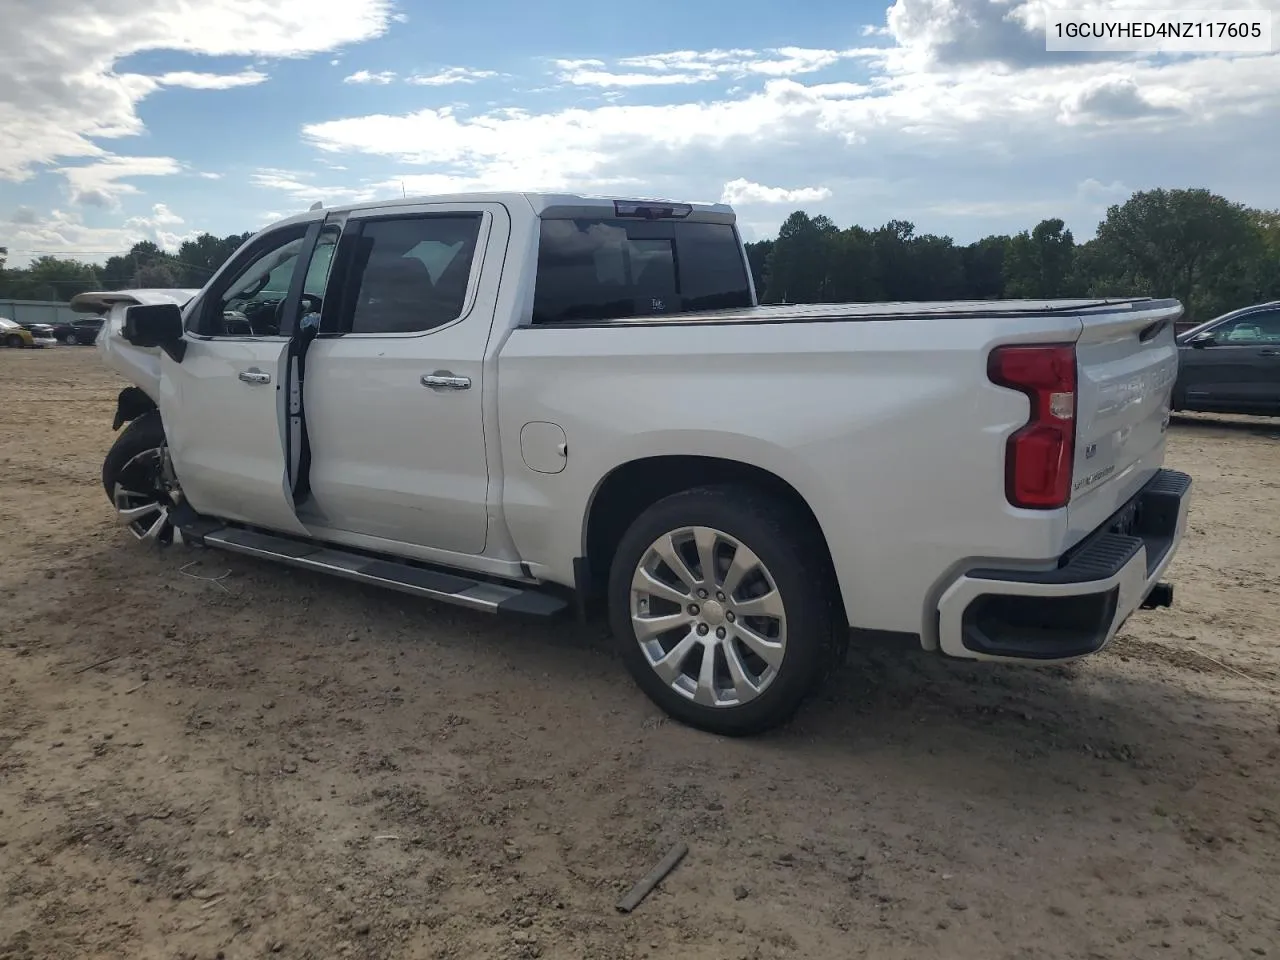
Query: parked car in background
(42, 333)
(1231, 364)
(14, 334)
(63, 331)
(82, 331)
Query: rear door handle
(254, 376)
(444, 380)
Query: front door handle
(444, 380)
(255, 376)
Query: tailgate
(1127, 362)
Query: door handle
(444, 380)
(254, 376)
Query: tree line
(1210, 253)
(145, 265)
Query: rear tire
(13, 340)
(768, 619)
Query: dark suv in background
(1231, 364)
(83, 330)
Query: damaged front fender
(131, 404)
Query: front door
(394, 384)
(224, 404)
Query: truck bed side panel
(889, 429)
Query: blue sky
(140, 119)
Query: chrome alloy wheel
(144, 493)
(708, 616)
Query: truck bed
(896, 310)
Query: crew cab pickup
(545, 404)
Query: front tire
(13, 340)
(723, 604)
(136, 477)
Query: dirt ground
(275, 762)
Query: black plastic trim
(1054, 628)
(1039, 628)
(581, 588)
(532, 603)
(131, 403)
(1149, 519)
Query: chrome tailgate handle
(444, 380)
(254, 376)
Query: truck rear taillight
(1039, 457)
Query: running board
(435, 584)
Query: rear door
(1237, 368)
(394, 385)
(1127, 361)
(224, 405)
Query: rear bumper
(1076, 608)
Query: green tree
(199, 259)
(799, 268)
(1190, 244)
(162, 274)
(983, 265)
(1038, 264)
(757, 259)
(50, 278)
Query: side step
(420, 581)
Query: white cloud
(212, 81)
(364, 76)
(59, 55)
(102, 184)
(157, 226)
(299, 187)
(64, 234)
(742, 191)
(694, 66)
(993, 140)
(450, 75)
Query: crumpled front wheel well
(131, 404)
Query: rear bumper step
(447, 587)
(1078, 606)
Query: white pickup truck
(538, 403)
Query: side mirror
(1202, 340)
(156, 325)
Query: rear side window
(409, 274)
(602, 269)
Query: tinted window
(1252, 328)
(410, 274)
(601, 269)
(712, 275)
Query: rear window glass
(592, 269)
